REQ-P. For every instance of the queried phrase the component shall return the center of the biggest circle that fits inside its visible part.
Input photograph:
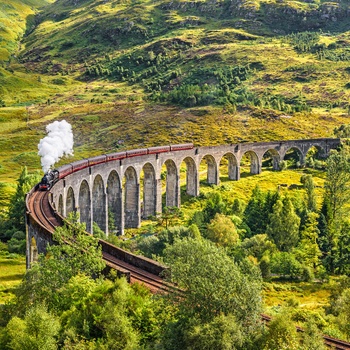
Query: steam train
(51, 177)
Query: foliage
(256, 213)
(305, 41)
(222, 231)
(76, 252)
(283, 227)
(309, 185)
(334, 208)
(214, 284)
(38, 330)
(308, 252)
(14, 224)
(281, 334)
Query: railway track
(39, 206)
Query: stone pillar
(132, 208)
(276, 162)
(158, 195)
(213, 172)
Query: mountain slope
(142, 73)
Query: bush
(285, 264)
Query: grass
(311, 296)
(12, 268)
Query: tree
(222, 231)
(75, 253)
(37, 331)
(309, 186)
(282, 334)
(169, 216)
(308, 252)
(342, 307)
(214, 285)
(312, 338)
(258, 246)
(15, 220)
(343, 255)
(256, 213)
(215, 205)
(283, 227)
(336, 198)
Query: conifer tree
(283, 225)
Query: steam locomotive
(51, 177)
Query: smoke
(57, 143)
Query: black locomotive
(48, 180)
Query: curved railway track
(42, 212)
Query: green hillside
(140, 73)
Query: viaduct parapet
(121, 193)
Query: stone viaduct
(129, 190)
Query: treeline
(309, 42)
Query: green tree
(312, 338)
(283, 227)
(335, 208)
(258, 246)
(343, 255)
(76, 252)
(222, 231)
(309, 186)
(342, 308)
(214, 286)
(256, 213)
(215, 205)
(37, 331)
(308, 252)
(222, 333)
(281, 334)
(16, 219)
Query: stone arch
(131, 199)
(149, 191)
(232, 166)
(172, 184)
(70, 201)
(191, 177)
(273, 155)
(99, 203)
(115, 203)
(296, 155)
(255, 166)
(33, 250)
(212, 169)
(85, 205)
(60, 205)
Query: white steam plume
(57, 143)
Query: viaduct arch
(113, 194)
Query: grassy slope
(12, 270)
